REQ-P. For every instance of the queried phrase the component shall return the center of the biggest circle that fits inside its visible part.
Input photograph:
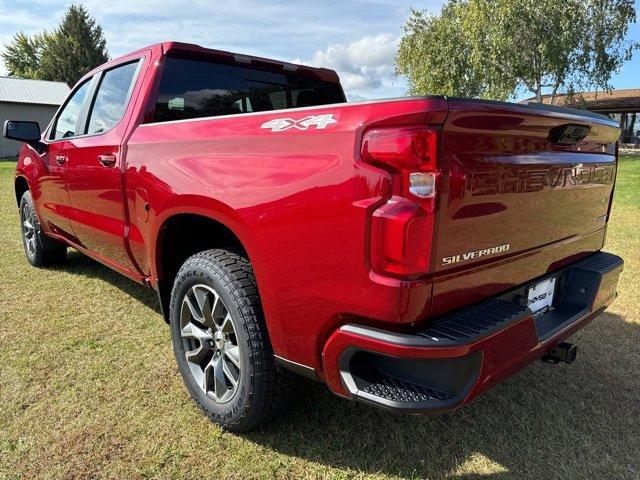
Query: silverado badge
(475, 254)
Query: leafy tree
(75, 47)
(496, 48)
(22, 56)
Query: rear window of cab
(194, 88)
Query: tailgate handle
(569, 134)
(107, 160)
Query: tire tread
(272, 387)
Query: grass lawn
(89, 388)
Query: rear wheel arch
(182, 235)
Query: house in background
(24, 99)
(620, 105)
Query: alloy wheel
(210, 343)
(29, 229)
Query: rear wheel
(39, 249)
(221, 343)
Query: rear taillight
(404, 148)
(402, 228)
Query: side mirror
(24, 131)
(28, 132)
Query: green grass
(89, 388)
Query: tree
(22, 56)
(497, 48)
(75, 47)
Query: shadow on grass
(569, 421)
(572, 421)
(79, 264)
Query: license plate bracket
(540, 296)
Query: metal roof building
(621, 105)
(25, 99)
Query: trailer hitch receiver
(563, 352)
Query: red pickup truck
(410, 253)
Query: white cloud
(365, 65)
(277, 29)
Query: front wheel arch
(21, 186)
(40, 250)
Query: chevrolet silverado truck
(410, 253)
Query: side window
(191, 88)
(67, 120)
(112, 97)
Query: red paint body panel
(301, 203)
(297, 200)
(51, 194)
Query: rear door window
(194, 88)
(112, 97)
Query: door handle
(107, 160)
(61, 159)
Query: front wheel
(221, 343)
(39, 249)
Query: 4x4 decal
(282, 124)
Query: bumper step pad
(603, 263)
(398, 390)
(467, 326)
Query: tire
(231, 344)
(39, 249)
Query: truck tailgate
(525, 190)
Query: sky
(357, 38)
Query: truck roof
(324, 74)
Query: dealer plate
(540, 296)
